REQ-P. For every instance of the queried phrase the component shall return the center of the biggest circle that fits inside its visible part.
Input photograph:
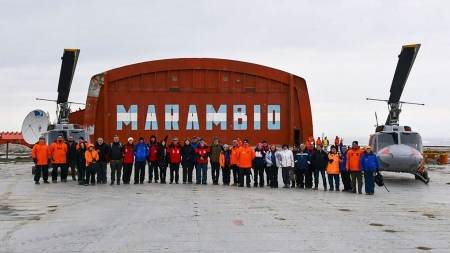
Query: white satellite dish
(34, 126)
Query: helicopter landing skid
(422, 176)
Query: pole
(7, 150)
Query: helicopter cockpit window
(412, 139)
(387, 139)
(52, 135)
(77, 134)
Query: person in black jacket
(163, 161)
(187, 160)
(70, 155)
(102, 149)
(115, 154)
(320, 160)
(81, 162)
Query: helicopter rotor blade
(68, 65)
(404, 65)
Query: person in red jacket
(174, 150)
(58, 151)
(202, 153)
(41, 156)
(153, 160)
(352, 165)
(245, 157)
(128, 160)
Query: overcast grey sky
(346, 51)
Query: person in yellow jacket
(245, 157)
(333, 168)
(92, 158)
(41, 157)
(326, 143)
(58, 151)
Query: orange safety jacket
(333, 168)
(90, 155)
(58, 151)
(353, 159)
(234, 155)
(41, 152)
(246, 155)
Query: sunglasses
(175, 140)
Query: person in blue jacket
(345, 175)
(302, 159)
(140, 152)
(369, 164)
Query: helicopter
(62, 127)
(398, 148)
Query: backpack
(379, 179)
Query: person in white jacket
(287, 162)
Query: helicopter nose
(401, 158)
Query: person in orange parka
(353, 159)
(333, 168)
(234, 162)
(41, 156)
(239, 141)
(92, 158)
(318, 141)
(58, 151)
(245, 157)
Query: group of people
(300, 167)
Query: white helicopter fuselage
(398, 149)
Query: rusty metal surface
(227, 98)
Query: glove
(35, 160)
(378, 170)
(49, 161)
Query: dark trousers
(309, 178)
(273, 173)
(139, 172)
(215, 172)
(116, 168)
(301, 177)
(174, 170)
(37, 175)
(316, 178)
(55, 171)
(356, 176)
(162, 174)
(369, 181)
(153, 170)
(335, 178)
(101, 177)
(267, 174)
(285, 175)
(90, 175)
(187, 172)
(244, 172)
(346, 181)
(201, 173)
(235, 170)
(258, 172)
(226, 174)
(81, 173)
(72, 165)
(127, 170)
